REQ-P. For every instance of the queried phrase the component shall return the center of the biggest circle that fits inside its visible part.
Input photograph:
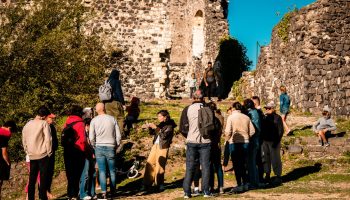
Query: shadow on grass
(134, 188)
(297, 173)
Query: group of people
(252, 142)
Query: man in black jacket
(272, 135)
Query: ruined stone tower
(164, 41)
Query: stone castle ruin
(163, 41)
(312, 61)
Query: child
(133, 114)
(192, 83)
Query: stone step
(334, 141)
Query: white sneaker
(87, 198)
(221, 190)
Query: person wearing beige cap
(324, 126)
(272, 135)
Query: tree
(234, 61)
(45, 58)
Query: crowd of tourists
(252, 142)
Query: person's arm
(118, 136)
(314, 127)
(205, 77)
(332, 126)
(256, 121)
(228, 129)
(184, 123)
(251, 129)
(81, 138)
(24, 140)
(166, 133)
(47, 138)
(5, 155)
(280, 130)
(119, 92)
(92, 133)
(281, 102)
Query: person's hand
(151, 125)
(8, 163)
(206, 84)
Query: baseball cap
(326, 109)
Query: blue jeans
(201, 151)
(105, 157)
(239, 153)
(87, 179)
(216, 167)
(252, 165)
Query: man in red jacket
(75, 152)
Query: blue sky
(251, 21)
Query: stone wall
(161, 40)
(313, 63)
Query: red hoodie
(5, 133)
(80, 129)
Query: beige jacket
(37, 139)
(239, 128)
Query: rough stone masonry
(164, 41)
(313, 63)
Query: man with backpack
(195, 125)
(113, 97)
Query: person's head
(237, 106)
(100, 108)
(193, 75)
(50, 119)
(163, 116)
(11, 126)
(256, 101)
(210, 64)
(135, 101)
(212, 106)
(76, 110)
(43, 112)
(114, 74)
(87, 122)
(283, 89)
(249, 104)
(198, 96)
(270, 107)
(326, 112)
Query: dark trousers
(259, 163)
(51, 171)
(192, 91)
(74, 161)
(216, 167)
(210, 89)
(37, 166)
(203, 152)
(239, 153)
(227, 154)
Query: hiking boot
(161, 188)
(327, 144)
(246, 187)
(237, 189)
(320, 142)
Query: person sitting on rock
(324, 126)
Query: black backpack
(206, 122)
(68, 137)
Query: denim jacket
(284, 103)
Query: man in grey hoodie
(104, 136)
(197, 146)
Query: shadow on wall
(233, 61)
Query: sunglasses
(268, 108)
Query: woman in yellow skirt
(163, 136)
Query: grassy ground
(303, 178)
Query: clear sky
(252, 21)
